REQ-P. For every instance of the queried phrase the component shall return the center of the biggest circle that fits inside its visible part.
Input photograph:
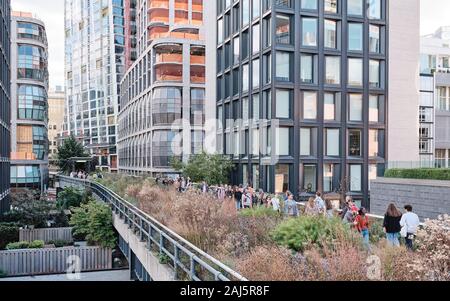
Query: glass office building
(302, 94)
(5, 104)
(95, 63)
(29, 103)
(162, 101)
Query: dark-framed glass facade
(5, 104)
(320, 87)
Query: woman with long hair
(311, 208)
(391, 225)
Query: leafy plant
(71, 197)
(37, 244)
(419, 173)
(94, 222)
(301, 233)
(213, 169)
(376, 231)
(9, 233)
(164, 258)
(70, 148)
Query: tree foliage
(94, 222)
(71, 197)
(213, 169)
(29, 209)
(70, 148)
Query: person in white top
(275, 203)
(411, 221)
(320, 204)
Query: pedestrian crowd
(395, 224)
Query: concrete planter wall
(429, 198)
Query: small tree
(70, 148)
(71, 197)
(94, 222)
(213, 169)
(28, 209)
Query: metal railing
(188, 261)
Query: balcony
(169, 73)
(197, 74)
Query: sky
(434, 13)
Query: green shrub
(71, 197)
(299, 234)
(259, 211)
(94, 222)
(419, 173)
(18, 245)
(9, 233)
(164, 258)
(37, 244)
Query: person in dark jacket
(391, 225)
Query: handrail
(179, 243)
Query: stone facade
(429, 198)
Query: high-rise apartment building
(435, 99)
(29, 106)
(162, 98)
(56, 101)
(304, 92)
(5, 104)
(95, 63)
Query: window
(354, 141)
(283, 143)
(283, 30)
(307, 64)
(166, 105)
(374, 11)
(282, 176)
(32, 103)
(245, 110)
(374, 73)
(256, 8)
(332, 138)
(373, 173)
(310, 105)
(283, 72)
(374, 110)
(245, 12)
(236, 50)
(355, 178)
(256, 38)
(309, 33)
(329, 107)
(309, 4)
(333, 70)
(310, 178)
(256, 113)
(373, 143)
(308, 142)
(355, 36)
(440, 158)
(255, 74)
(331, 6)
(355, 107)
(330, 34)
(245, 79)
(355, 7)
(328, 176)
(355, 72)
(283, 104)
(255, 145)
(374, 38)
